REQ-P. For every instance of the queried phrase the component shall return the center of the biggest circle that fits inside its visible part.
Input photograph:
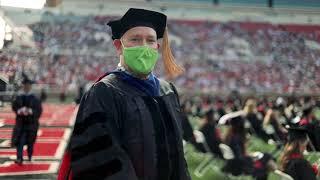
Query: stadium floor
(55, 128)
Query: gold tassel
(172, 69)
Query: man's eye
(151, 40)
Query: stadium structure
(238, 48)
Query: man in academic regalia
(128, 126)
(27, 108)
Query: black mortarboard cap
(297, 133)
(138, 17)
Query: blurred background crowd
(217, 56)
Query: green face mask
(140, 59)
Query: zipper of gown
(154, 100)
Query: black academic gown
(300, 169)
(313, 133)
(213, 140)
(256, 125)
(188, 133)
(26, 124)
(123, 134)
(241, 164)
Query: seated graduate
(188, 130)
(309, 121)
(211, 133)
(252, 116)
(243, 162)
(272, 117)
(292, 161)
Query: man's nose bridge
(144, 42)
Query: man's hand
(24, 111)
(21, 111)
(29, 110)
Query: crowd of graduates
(289, 123)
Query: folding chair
(208, 162)
(186, 147)
(272, 133)
(279, 175)
(227, 152)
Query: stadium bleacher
(248, 50)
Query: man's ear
(118, 46)
(158, 46)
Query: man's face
(27, 87)
(137, 36)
